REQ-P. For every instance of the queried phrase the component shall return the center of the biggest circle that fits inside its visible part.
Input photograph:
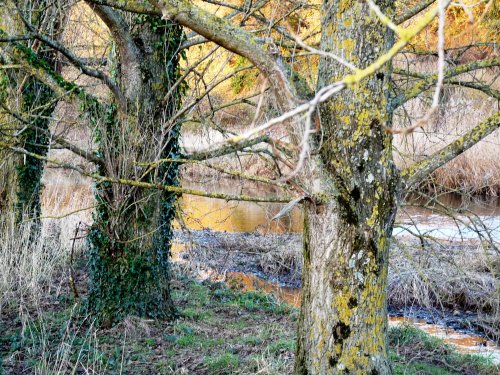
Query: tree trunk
(343, 322)
(8, 186)
(37, 101)
(21, 181)
(130, 239)
(343, 319)
(8, 163)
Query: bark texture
(8, 160)
(343, 321)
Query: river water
(419, 216)
(475, 217)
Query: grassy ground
(219, 331)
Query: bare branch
(440, 76)
(349, 80)
(68, 145)
(418, 171)
(228, 149)
(207, 91)
(240, 175)
(133, 6)
(428, 82)
(413, 11)
(79, 63)
(130, 56)
(149, 185)
(26, 59)
(487, 89)
(330, 55)
(232, 38)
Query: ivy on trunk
(132, 233)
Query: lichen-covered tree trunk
(344, 316)
(130, 239)
(343, 320)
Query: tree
(131, 235)
(133, 226)
(339, 137)
(20, 187)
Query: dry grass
(454, 277)
(461, 277)
(476, 171)
(28, 266)
(276, 256)
(64, 346)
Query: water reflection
(464, 342)
(219, 215)
(242, 281)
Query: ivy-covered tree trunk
(38, 101)
(21, 175)
(130, 239)
(343, 320)
(8, 160)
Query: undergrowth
(219, 331)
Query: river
(419, 216)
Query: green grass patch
(415, 352)
(282, 345)
(225, 363)
(252, 301)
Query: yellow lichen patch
(351, 357)
(348, 46)
(345, 120)
(341, 305)
(343, 7)
(338, 349)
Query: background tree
(132, 225)
(21, 178)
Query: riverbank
(452, 285)
(219, 331)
